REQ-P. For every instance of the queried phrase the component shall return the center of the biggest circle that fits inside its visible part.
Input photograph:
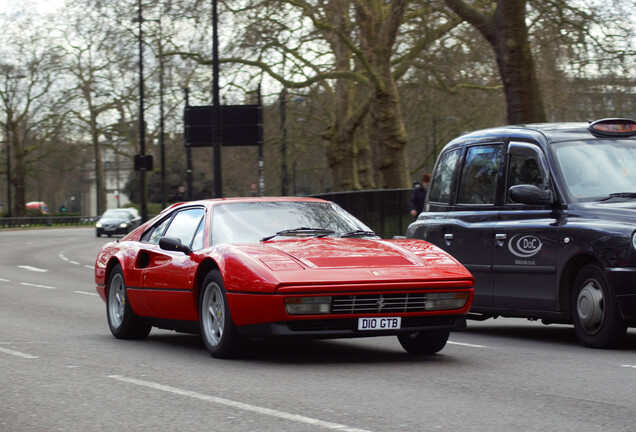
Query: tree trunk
(506, 31)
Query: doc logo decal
(524, 246)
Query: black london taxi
(544, 217)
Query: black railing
(42, 221)
(385, 211)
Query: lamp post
(8, 155)
(142, 124)
(7, 138)
(216, 111)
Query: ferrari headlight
(447, 300)
(308, 305)
(98, 225)
(634, 241)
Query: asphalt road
(61, 370)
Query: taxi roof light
(613, 127)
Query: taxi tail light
(446, 300)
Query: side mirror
(530, 194)
(173, 244)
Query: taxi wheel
(424, 342)
(123, 322)
(596, 317)
(217, 328)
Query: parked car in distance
(544, 217)
(234, 269)
(37, 207)
(117, 221)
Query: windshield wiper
(301, 231)
(359, 233)
(629, 195)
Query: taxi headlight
(98, 225)
(308, 305)
(447, 300)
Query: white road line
(467, 344)
(4, 280)
(240, 405)
(17, 353)
(85, 293)
(629, 366)
(36, 285)
(89, 267)
(35, 269)
(63, 257)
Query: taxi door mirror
(530, 194)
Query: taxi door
(469, 232)
(525, 239)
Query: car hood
(332, 260)
(620, 211)
(112, 221)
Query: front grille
(378, 303)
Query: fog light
(308, 305)
(448, 300)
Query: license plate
(384, 323)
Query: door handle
(447, 239)
(500, 237)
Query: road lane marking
(629, 366)
(34, 269)
(17, 353)
(4, 280)
(70, 261)
(239, 405)
(86, 293)
(89, 267)
(467, 344)
(36, 285)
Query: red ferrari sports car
(241, 268)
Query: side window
(440, 189)
(478, 183)
(153, 235)
(526, 166)
(185, 225)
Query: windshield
(256, 221)
(596, 169)
(116, 214)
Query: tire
(217, 328)
(123, 322)
(424, 342)
(595, 314)
(97, 234)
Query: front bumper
(348, 327)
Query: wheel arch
(568, 276)
(204, 268)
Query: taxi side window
(478, 183)
(525, 167)
(440, 189)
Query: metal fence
(385, 211)
(43, 221)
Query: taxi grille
(378, 303)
